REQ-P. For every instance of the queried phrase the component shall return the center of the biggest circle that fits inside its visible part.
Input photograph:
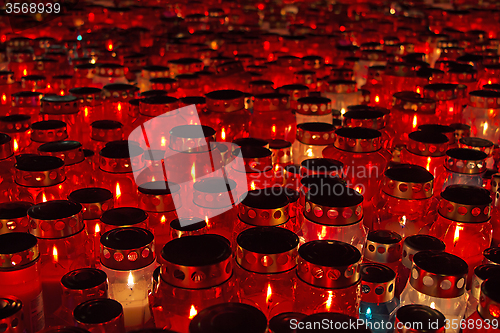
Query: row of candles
(369, 165)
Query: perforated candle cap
(255, 158)
(121, 157)
(18, 249)
(127, 248)
(314, 105)
(71, 152)
(329, 264)
(49, 131)
(383, 246)
(367, 118)
(11, 314)
(416, 315)
(192, 138)
(100, 312)
(439, 274)
(481, 273)
(229, 317)
(95, 200)
(316, 133)
(377, 283)
(480, 144)
(267, 249)
(225, 100)
(356, 140)
(56, 219)
(408, 181)
(197, 262)
(427, 143)
(214, 192)
(492, 256)
(484, 99)
(463, 203)
(416, 243)
(13, 216)
(58, 105)
(158, 196)
(106, 130)
(265, 207)
(465, 161)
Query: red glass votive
(295, 91)
(7, 170)
(21, 62)
(77, 171)
(46, 131)
(35, 83)
(64, 245)
(84, 74)
(243, 317)
(375, 86)
(156, 198)
(100, 314)
(463, 223)
(259, 87)
(177, 300)
(65, 108)
(90, 103)
(117, 160)
(316, 289)
(102, 132)
(184, 66)
(150, 72)
(265, 271)
(448, 107)
(384, 247)
(427, 149)
(226, 113)
(399, 77)
(20, 273)
(281, 157)
(115, 96)
(7, 88)
(166, 83)
(40, 178)
(313, 109)
(311, 140)
(95, 201)
(411, 246)
(485, 318)
(411, 111)
(272, 117)
(61, 84)
(26, 102)
(343, 94)
(109, 73)
(78, 286)
(463, 166)
(406, 191)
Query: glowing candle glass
(485, 319)
(311, 139)
(438, 280)
(128, 259)
(20, 274)
(272, 117)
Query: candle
(100, 315)
(128, 258)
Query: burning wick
(192, 312)
(269, 294)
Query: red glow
(342, 28)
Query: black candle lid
(416, 243)
(492, 256)
(17, 249)
(127, 248)
(96, 200)
(98, 311)
(281, 322)
(250, 142)
(9, 306)
(124, 216)
(229, 318)
(190, 261)
(427, 143)
(322, 166)
(84, 278)
(267, 249)
(335, 320)
(465, 203)
(416, 315)
(408, 181)
(13, 216)
(329, 264)
(266, 207)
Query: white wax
(134, 301)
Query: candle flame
(252, 185)
(86, 111)
(25, 72)
(414, 124)
(377, 99)
(428, 163)
(489, 81)
(55, 254)
(418, 90)
(329, 300)
(92, 61)
(274, 129)
(61, 93)
(16, 146)
(342, 111)
(193, 173)
(322, 235)
(402, 220)
(4, 98)
(118, 191)
(110, 46)
(119, 107)
(223, 134)
(485, 127)
(97, 228)
(269, 293)
(309, 152)
(163, 141)
(44, 199)
(153, 179)
(457, 235)
(192, 312)
(162, 220)
(433, 305)
(358, 189)
(130, 280)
